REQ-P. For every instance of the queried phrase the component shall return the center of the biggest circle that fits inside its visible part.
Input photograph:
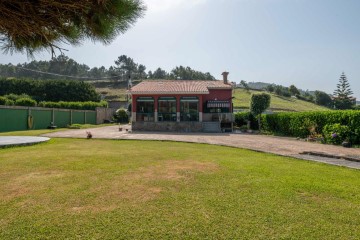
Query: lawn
(106, 189)
(278, 103)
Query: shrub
(9, 102)
(336, 133)
(15, 97)
(241, 119)
(121, 116)
(300, 124)
(3, 100)
(28, 102)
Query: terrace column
(133, 109)
(156, 108)
(201, 108)
(177, 108)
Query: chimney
(225, 77)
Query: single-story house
(182, 105)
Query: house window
(189, 109)
(167, 109)
(145, 109)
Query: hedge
(302, 123)
(28, 102)
(74, 105)
(241, 119)
(50, 90)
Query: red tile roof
(177, 86)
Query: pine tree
(28, 26)
(342, 95)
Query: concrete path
(9, 141)
(277, 145)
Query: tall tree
(27, 25)
(293, 90)
(126, 66)
(186, 73)
(259, 103)
(141, 71)
(342, 94)
(159, 74)
(245, 85)
(323, 99)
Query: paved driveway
(276, 145)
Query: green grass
(105, 189)
(278, 103)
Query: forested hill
(63, 67)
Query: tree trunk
(259, 122)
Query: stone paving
(9, 141)
(277, 145)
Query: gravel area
(283, 146)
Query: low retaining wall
(168, 126)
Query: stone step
(211, 127)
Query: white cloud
(165, 5)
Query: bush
(15, 97)
(3, 100)
(28, 102)
(74, 105)
(9, 102)
(241, 119)
(121, 116)
(336, 133)
(301, 124)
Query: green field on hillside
(278, 103)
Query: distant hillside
(263, 85)
(258, 85)
(278, 103)
(241, 100)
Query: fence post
(53, 116)
(85, 117)
(71, 117)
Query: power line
(68, 76)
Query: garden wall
(14, 118)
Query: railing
(168, 117)
(189, 117)
(145, 117)
(218, 117)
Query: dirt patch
(174, 170)
(145, 184)
(25, 184)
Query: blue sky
(307, 43)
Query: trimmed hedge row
(74, 105)
(302, 124)
(22, 101)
